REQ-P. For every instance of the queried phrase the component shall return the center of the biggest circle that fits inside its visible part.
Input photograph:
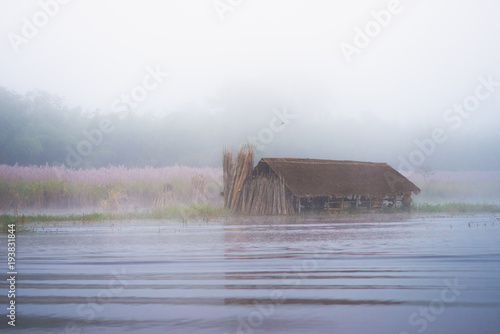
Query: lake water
(379, 274)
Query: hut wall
(266, 194)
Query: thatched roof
(315, 177)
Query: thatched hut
(284, 186)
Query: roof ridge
(322, 161)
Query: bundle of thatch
(227, 168)
(235, 173)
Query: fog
(412, 83)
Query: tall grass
(109, 188)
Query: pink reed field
(113, 187)
(103, 175)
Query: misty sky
(427, 57)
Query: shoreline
(204, 212)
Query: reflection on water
(258, 275)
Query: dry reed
(235, 174)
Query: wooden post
(357, 196)
(299, 204)
(342, 204)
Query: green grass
(191, 211)
(456, 207)
(206, 212)
(451, 208)
(184, 213)
(6, 220)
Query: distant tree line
(38, 128)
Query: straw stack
(235, 174)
